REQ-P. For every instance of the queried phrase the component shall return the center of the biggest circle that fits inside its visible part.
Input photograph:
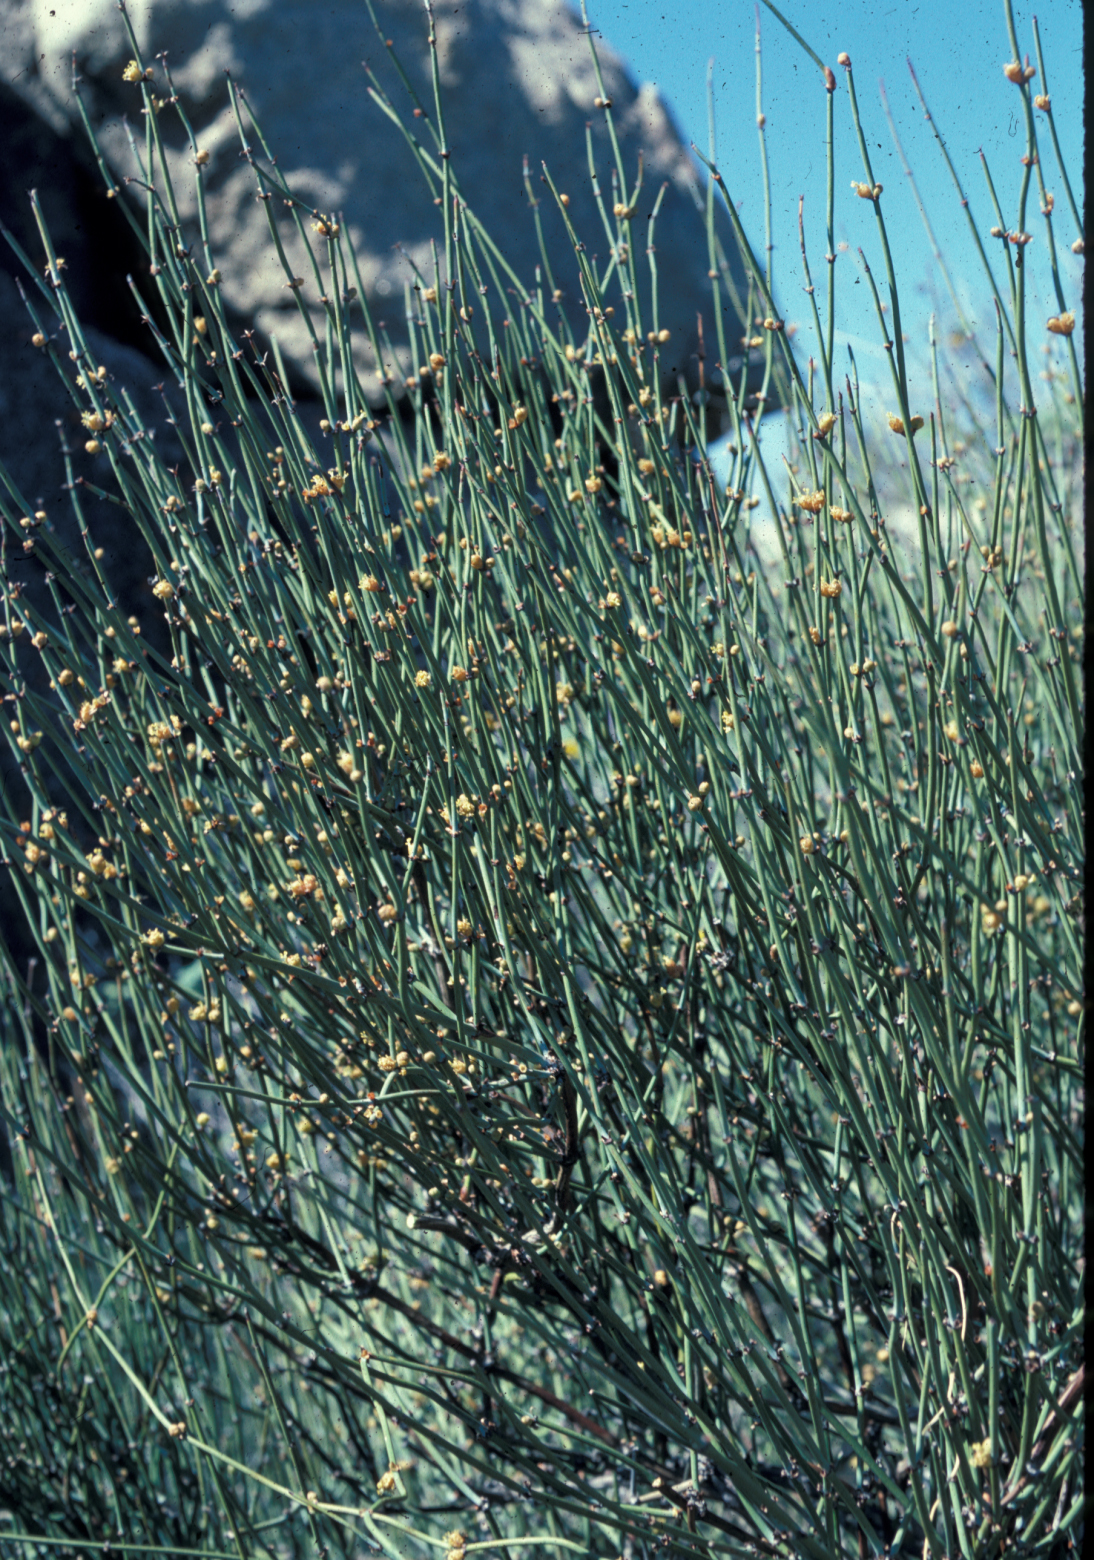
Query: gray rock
(517, 82)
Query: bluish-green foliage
(551, 1025)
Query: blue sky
(958, 50)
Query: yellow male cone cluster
(897, 424)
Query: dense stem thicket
(547, 1027)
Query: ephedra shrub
(545, 1030)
